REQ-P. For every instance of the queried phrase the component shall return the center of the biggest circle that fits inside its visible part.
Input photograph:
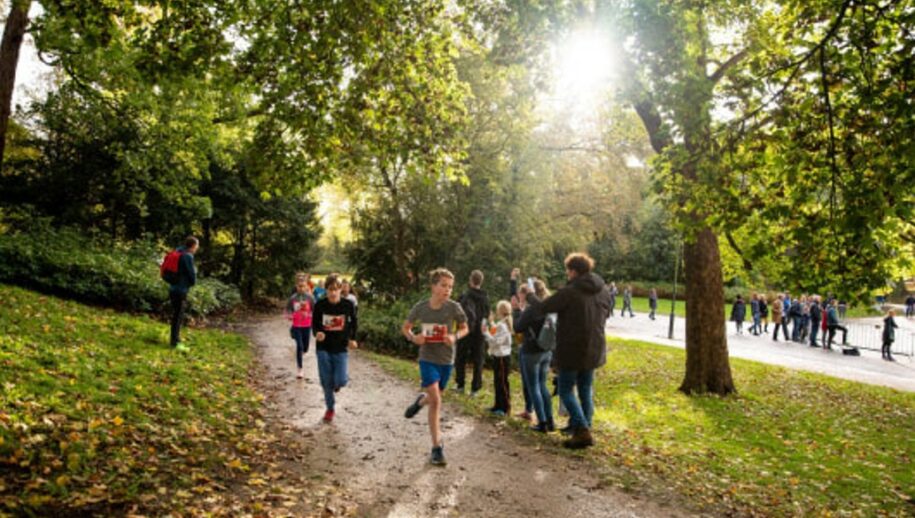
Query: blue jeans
(814, 329)
(301, 335)
(580, 413)
(333, 373)
(525, 387)
(535, 374)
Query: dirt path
(379, 459)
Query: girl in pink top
(299, 309)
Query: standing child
(299, 310)
(499, 339)
(889, 335)
(442, 323)
(335, 331)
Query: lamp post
(673, 299)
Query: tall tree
(13, 33)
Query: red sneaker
(328, 416)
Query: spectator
(739, 313)
(582, 308)
(889, 335)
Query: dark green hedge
(70, 264)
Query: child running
(442, 323)
(499, 339)
(299, 310)
(335, 329)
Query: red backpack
(169, 268)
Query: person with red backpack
(179, 272)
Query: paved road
(867, 368)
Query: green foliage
(791, 442)
(379, 324)
(96, 270)
(99, 415)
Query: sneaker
(301, 374)
(458, 388)
(181, 348)
(437, 458)
(328, 416)
(498, 412)
(414, 408)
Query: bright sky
(584, 68)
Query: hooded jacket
(582, 306)
(480, 302)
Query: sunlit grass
(789, 443)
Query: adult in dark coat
(470, 348)
(582, 306)
(739, 313)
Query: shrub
(379, 325)
(68, 263)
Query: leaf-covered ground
(98, 416)
(789, 444)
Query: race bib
(434, 333)
(333, 322)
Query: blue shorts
(434, 373)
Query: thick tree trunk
(707, 366)
(13, 33)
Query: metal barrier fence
(870, 337)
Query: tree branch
(748, 266)
(730, 63)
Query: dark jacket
(816, 314)
(480, 303)
(583, 306)
(529, 323)
(889, 330)
(739, 311)
(187, 273)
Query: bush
(70, 264)
(379, 325)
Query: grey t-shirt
(434, 324)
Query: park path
(379, 459)
(867, 368)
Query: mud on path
(379, 459)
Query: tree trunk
(13, 33)
(707, 366)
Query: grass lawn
(790, 443)
(98, 416)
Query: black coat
(479, 300)
(739, 311)
(529, 323)
(582, 306)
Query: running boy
(442, 323)
(335, 329)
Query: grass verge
(790, 444)
(98, 416)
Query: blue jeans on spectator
(301, 335)
(333, 373)
(535, 373)
(581, 409)
(525, 388)
(814, 329)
